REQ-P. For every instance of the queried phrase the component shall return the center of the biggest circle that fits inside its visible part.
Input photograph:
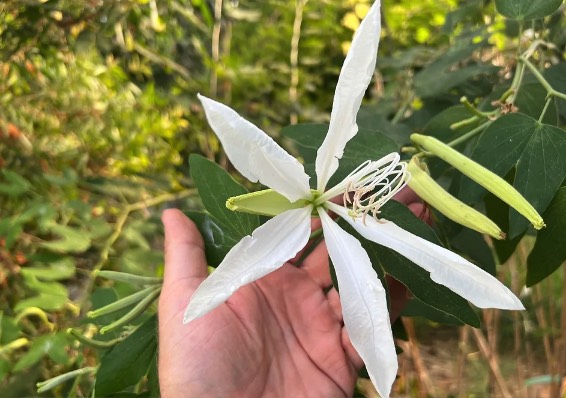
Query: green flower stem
(129, 278)
(134, 313)
(548, 101)
(469, 134)
(123, 303)
(541, 79)
(55, 381)
(92, 342)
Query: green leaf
(37, 351)
(537, 151)
(9, 330)
(498, 211)
(14, 184)
(215, 186)
(366, 145)
(415, 278)
(556, 76)
(127, 362)
(52, 295)
(62, 268)
(416, 307)
(72, 240)
(526, 9)
(48, 302)
(217, 240)
(473, 245)
(531, 100)
(549, 251)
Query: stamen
(373, 184)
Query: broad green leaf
(57, 351)
(140, 261)
(73, 240)
(556, 76)
(13, 184)
(127, 362)
(416, 307)
(215, 186)
(498, 211)
(526, 9)
(63, 268)
(472, 245)
(369, 119)
(9, 330)
(53, 345)
(217, 240)
(549, 251)
(366, 145)
(45, 301)
(416, 279)
(537, 151)
(427, 84)
(531, 100)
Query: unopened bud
(433, 194)
(486, 178)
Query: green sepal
(266, 202)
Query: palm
(280, 336)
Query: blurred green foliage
(98, 115)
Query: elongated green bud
(486, 178)
(58, 380)
(266, 203)
(451, 207)
(122, 303)
(134, 313)
(92, 342)
(129, 278)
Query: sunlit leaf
(527, 9)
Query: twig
(492, 362)
(294, 59)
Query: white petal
(354, 79)
(445, 267)
(267, 249)
(254, 154)
(364, 305)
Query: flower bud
(451, 207)
(486, 178)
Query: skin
(281, 336)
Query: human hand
(281, 336)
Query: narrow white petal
(267, 249)
(364, 305)
(254, 154)
(354, 79)
(445, 267)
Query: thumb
(185, 262)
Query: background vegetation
(98, 116)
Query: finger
(421, 211)
(406, 196)
(316, 264)
(185, 262)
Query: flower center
(371, 185)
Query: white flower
(362, 296)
